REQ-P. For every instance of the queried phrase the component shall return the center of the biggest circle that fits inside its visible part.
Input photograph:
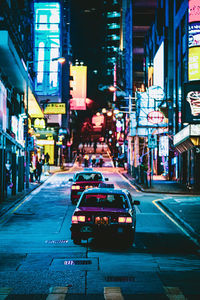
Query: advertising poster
(194, 35)
(191, 103)
(194, 11)
(194, 64)
(3, 113)
(79, 85)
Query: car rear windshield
(88, 177)
(104, 200)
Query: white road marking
(173, 221)
(57, 293)
(174, 293)
(113, 293)
(4, 292)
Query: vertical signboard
(47, 47)
(191, 104)
(158, 63)
(194, 40)
(79, 85)
(3, 97)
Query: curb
(158, 192)
(195, 236)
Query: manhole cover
(120, 278)
(85, 264)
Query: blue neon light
(47, 47)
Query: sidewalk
(11, 201)
(182, 205)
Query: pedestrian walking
(31, 171)
(86, 160)
(95, 146)
(80, 160)
(39, 170)
(93, 158)
(47, 158)
(101, 161)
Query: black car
(106, 211)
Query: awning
(34, 109)
(187, 138)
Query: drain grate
(120, 278)
(68, 263)
(77, 262)
(56, 242)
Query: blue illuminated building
(47, 47)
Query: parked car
(83, 180)
(106, 211)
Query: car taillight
(76, 187)
(124, 220)
(88, 187)
(76, 219)
(81, 218)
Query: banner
(191, 103)
(79, 85)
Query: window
(104, 200)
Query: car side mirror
(106, 179)
(136, 202)
(70, 179)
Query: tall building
(51, 42)
(17, 99)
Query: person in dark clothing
(39, 169)
(47, 157)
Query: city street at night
(38, 255)
(99, 150)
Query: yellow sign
(194, 63)
(55, 109)
(39, 123)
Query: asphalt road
(38, 260)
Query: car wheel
(77, 241)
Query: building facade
(17, 99)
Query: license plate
(86, 229)
(101, 220)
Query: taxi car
(104, 211)
(88, 178)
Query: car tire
(77, 241)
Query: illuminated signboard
(191, 107)
(155, 117)
(194, 63)
(194, 11)
(158, 64)
(79, 85)
(194, 40)
(55, 109)
(47, 47)
(3, 112)
(163, 146)
(194, 35)
(39, 123)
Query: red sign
(155, 117)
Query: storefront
(187, 143)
